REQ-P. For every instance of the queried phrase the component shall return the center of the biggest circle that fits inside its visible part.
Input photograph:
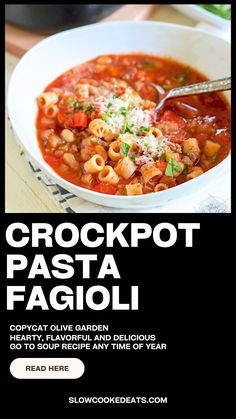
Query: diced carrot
(113, 71)
(161, 165)
(61, 117)
(78, 120)
(105, 188)
(70, 123)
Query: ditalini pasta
(97, 126)
(108, 175)
(95, 164)
(46, 99)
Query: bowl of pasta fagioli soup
(82, 106)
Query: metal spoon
(194, 89)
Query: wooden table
(24, 193)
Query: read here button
(47, 368)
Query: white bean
(54, 140)
(67, 135)
(71, 161)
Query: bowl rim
(47, 168)
(118, 23)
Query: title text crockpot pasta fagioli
(98, 129)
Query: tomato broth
(97, 126)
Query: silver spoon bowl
(194, 89)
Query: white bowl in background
(197, 13)
(58, 53)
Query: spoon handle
(205, 87)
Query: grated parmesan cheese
(125, 114)
(125, 110)
(151, 146)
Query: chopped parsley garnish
(104, 118)
(172, 167)
(162, 156)
(110, 114)
(185, 169)
(109, 105)
(213, 159)
(122, 110)
(167, 86)
(124, 149)
(126, 129)
(71, 102)
(115, 96)
(89, 109)
(133, 157)
(182, 78)
(145, 129)
(149, 64)
(77, 105)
